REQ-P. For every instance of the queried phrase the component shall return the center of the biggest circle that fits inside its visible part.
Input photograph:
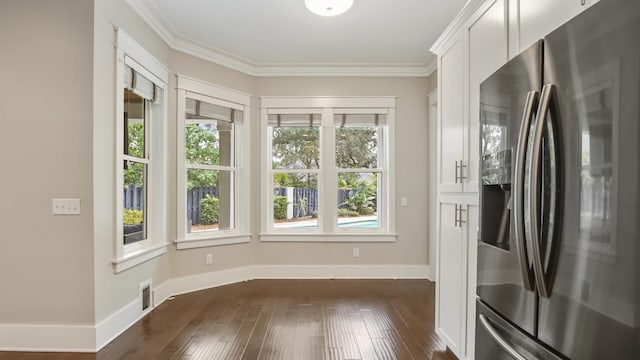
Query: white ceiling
(281, 37)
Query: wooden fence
(133, 199)
(305, 201)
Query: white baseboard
(187, 284)
(431, 273)
(340, 271)
(117, 323)
(47, 338)
(80, 338)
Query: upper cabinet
(451, 124)
(466, 58)
(537, 18)
(487, 32)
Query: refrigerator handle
(534, 200)
(518, 194)
(502, 342)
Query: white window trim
(219, 95)
(127, 256)
(328, 230)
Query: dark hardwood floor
(284, 319)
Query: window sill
(222, 239)
(138, 257)
(329, 237)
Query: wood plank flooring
(284, 319)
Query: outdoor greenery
(132, 217)
(133, 172)
(209, 208)
(280, 207)
(362, 197)
(347, 212)
(356, 147)
(201, 147)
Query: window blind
(142, 86)
(303, 120)
(360, 119)
(196, 109)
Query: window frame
(130, 53)
(328, 229)
(188, 87)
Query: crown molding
(463, 16)
(177, 42)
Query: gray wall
(46, 262)
(57, 269)
(411, 172)
(114, 291)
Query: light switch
(404, 201)
(65, 206)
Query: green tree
(297, 148)
(133, 172)
(201, 147)
(356, 147)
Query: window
(326, 171)
(140, 140)
(212, 166)
(360, 164)
(295, 163)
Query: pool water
(370, 224)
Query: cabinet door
(487, 52)
(450, 282)
(471, 234)
(537, 18)
(451, 120)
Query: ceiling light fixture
(328, 7)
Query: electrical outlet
(403, 200)
(356, 252)
(208, 259)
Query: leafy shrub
(366, 211)
(280, 207)
(209, 207)
(362, 198)
(132, 217)
(347, 212)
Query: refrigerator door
(593, 308)
(508, 100)
(496, 339)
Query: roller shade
(360, 119)
(304, 120)
(196, 109)
(142, 86)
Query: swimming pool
(370, 224)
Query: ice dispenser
(496, 198)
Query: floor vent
(145, 294)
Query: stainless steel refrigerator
(559, 248)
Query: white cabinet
(473, 53)
(457, 230)
(468, 57)
(487, 33)
(451, 125)
(537, 18)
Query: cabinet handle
(460, 221)
(455, 222)
(456, 180)
(583, 2)
(462, 177)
